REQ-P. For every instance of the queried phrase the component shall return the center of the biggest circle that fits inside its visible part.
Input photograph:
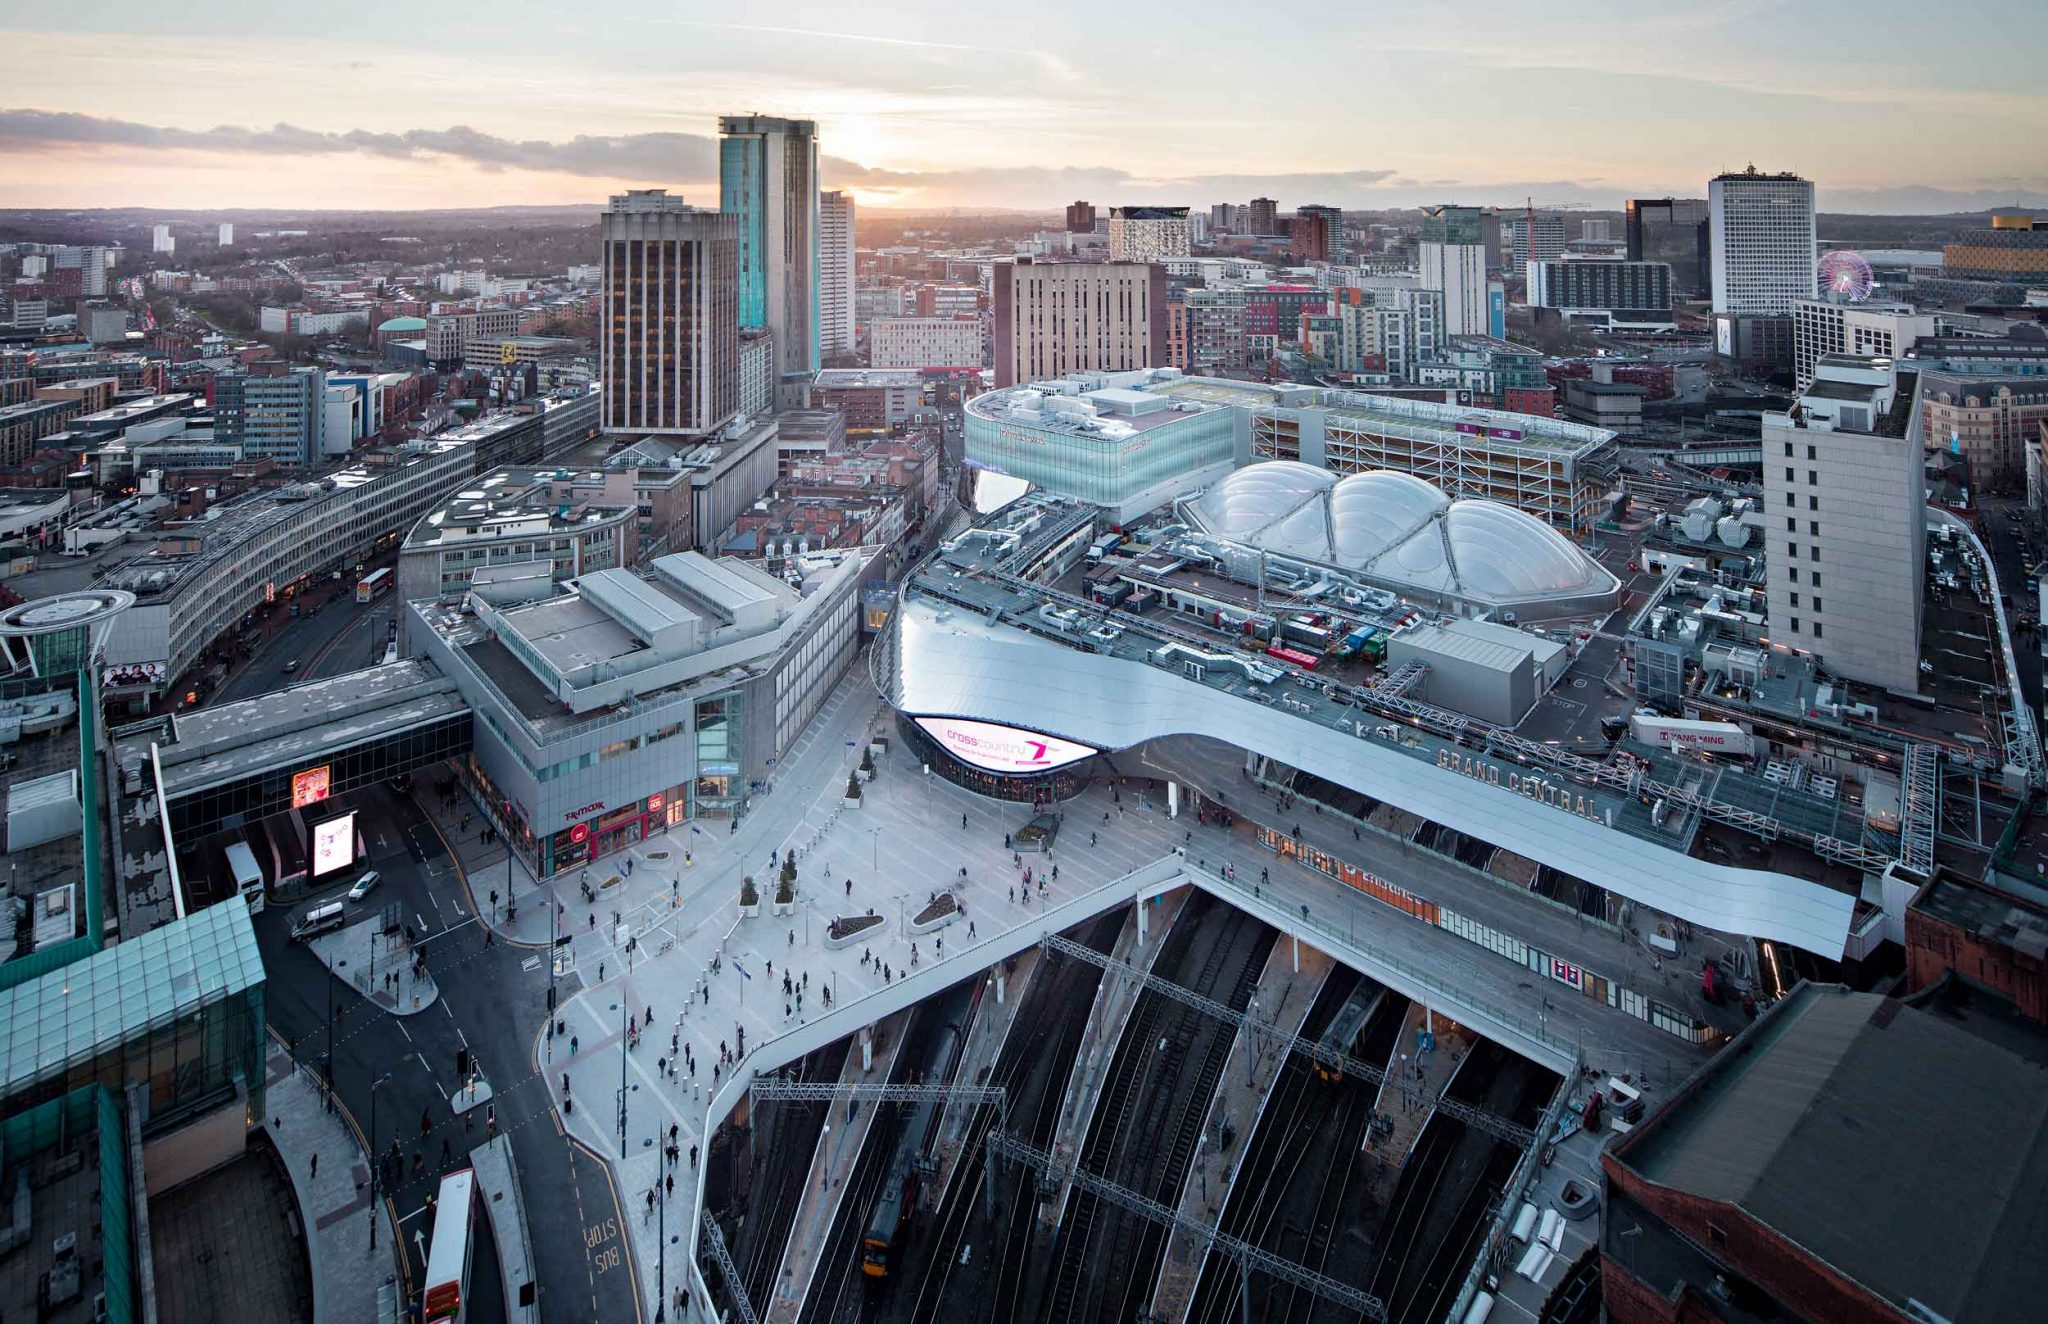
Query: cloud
(660, 157)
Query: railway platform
(1004, 993)
(1114, 999)
(1283, 998)
(839, 1146)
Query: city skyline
(233, 108)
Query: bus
(373, 585)
(248, 877)
(448, 1254)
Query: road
(343, 636)
(492, 1004)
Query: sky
(1888, 105)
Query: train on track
(895, 1207)
(1342, 1036)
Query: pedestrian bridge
(239, 762)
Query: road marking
(423, 923)
(402, 1030)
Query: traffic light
(462, 1064)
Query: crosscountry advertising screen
(1002, 749)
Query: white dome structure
(1402, 533)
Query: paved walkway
(377, 966)
(985, 1039)
(1239, 1102)
(334, 1197)
(659, 945)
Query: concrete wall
(200, 1146)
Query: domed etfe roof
(1400, 530)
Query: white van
(320, 919)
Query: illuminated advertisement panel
(1002, 749)
(309, 787)
(334, 844)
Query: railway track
(777, 1188)
(1307, 1138)
(1146, 1128)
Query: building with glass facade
(768, 181)
(609, 707)
(1129, 441)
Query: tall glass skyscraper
(768, 180)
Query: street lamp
(375, 1164)
(625, 1011)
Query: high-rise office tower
(1547, 246)
(768, 180)
(1080, 218)
(1845, 509)
(1318, 232)
(1147, 234)
(1265, 216)
(1762, 234)
(273, 412)
(669, 327)
(1453, 256)
(835, 273)
(1057, 318)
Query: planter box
(920, 927)
(864, 776)
(785, 907)
(750, 912)
(877, 748)
(849, 802)
(870, 929)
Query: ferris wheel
(1845, 275)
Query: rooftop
(230, 526)
(2012, 914)
(1901, 1144)
(514, 501)
(1426, 420)
(852, 379)
(49, 876)
(54, 1024)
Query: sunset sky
(1888, 105)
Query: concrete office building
(669, 329)
(835, 273)
(1845, 508)
(1763, 262)
(1628, 294)
(925, 342)
(1825, 326)
(1059, 318)
(160, 240)
(1453, 257)
(872, 400)
(204, 575)
(449, 335)
(1264, 215)
(618, 704)
(768, 182)
(1147, 234)
(1080, 218)
(272, 412)
(515, 525)
(101, 323)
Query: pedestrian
(315, 1173)
(669, 1182)
(1013, 894)
(1006, 841)
(419, 1163)
(1055, 873)
(572, 1045)
(963, 822)
(693, 1157)
(970, 929)
(600, 972)
(785, 1011)
(650, 1204)
(1091, 837)
(807, 979)
(792, 937)
(849, 887)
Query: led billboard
(334, 844)
(1002, 749)
(309, 787)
